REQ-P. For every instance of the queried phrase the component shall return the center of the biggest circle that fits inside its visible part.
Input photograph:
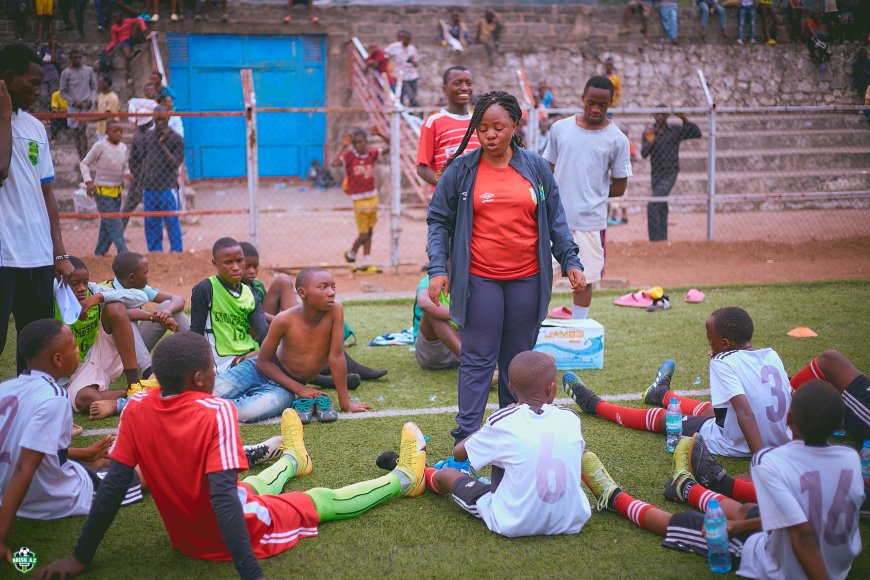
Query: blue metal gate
(288, 71)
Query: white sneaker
(174, 18)
(268, 450)
(155, 18)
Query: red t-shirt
(379, 59)
(360, 171)
(504, 231)
(440, 137)
(177, 441)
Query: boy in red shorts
(208, 514)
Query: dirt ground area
(629, 264)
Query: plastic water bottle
(865, 463)
(673, 425)
(718, 557)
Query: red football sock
(429, 478)
(699, 496)
(687, 406)
(808, 373)
(640, 419)
(744, 491)
(631, 508)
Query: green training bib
(85, 331)
(229, 319)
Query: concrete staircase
(774, 153)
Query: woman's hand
(577, 280)
(437, 284)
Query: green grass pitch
(429, 536)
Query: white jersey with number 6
(540, 453)
(760, 376)
(799, 483)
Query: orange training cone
(802, 332)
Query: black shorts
(134, 492)
(684, 534)
(466, 492)
(856, 397)
(692, 424)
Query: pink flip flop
(562, 312)
(694, 296)
(634, 300)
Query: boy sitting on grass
(207, 513)
(534, 448)
(104, 337)
(749, 391)
(131, 271)
(224, 310)
(806, 522)
(41, 476)
(280, 296)
(300, 342)
(436, 340)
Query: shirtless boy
(301, 341)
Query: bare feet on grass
(102, 409)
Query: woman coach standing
(496, 214)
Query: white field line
(423, 411)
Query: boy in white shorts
(534, 448)
(104, 336)
(590, 158)
(41, 476)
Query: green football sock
(272, 479)
(353, 500)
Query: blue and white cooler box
(575, 344)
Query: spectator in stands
(162, 88)
(78, 85)
(164, 154)
(769, 21)
(31, 242)
(661, 143)
(544, 96)
(669, 13)
(456, 28)
(832, 21)
(861, 72)
(403, 55)
(705, 7)
(143, 105)
(104, 171)
(51, 56)
(867, 103)
(378, 61)
(58, 105)
(125, 32)
(642, 8)
(44, 18)
(320, 176)
(175, 122)
(794, 12)
(816, 36)
(107, 102)
(291, 5)
(488, 32)
(610, 73)
(18, 11)
(746, 13)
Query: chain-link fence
(782, 175)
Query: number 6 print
(550, 489)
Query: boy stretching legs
(299, 343)
(221, 518)
(535, 448)
(748, 388)
(806, 520)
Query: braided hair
(508, 102)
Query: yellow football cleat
(293, 444)
(142, 385)
(412, 458)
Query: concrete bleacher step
(763, 182)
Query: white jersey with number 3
(760, 376)
(540, 453)
(799, 483)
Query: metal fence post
(534, 132)
(251, 145)
(396, 183)
(711, 156)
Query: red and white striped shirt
(440, 136)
